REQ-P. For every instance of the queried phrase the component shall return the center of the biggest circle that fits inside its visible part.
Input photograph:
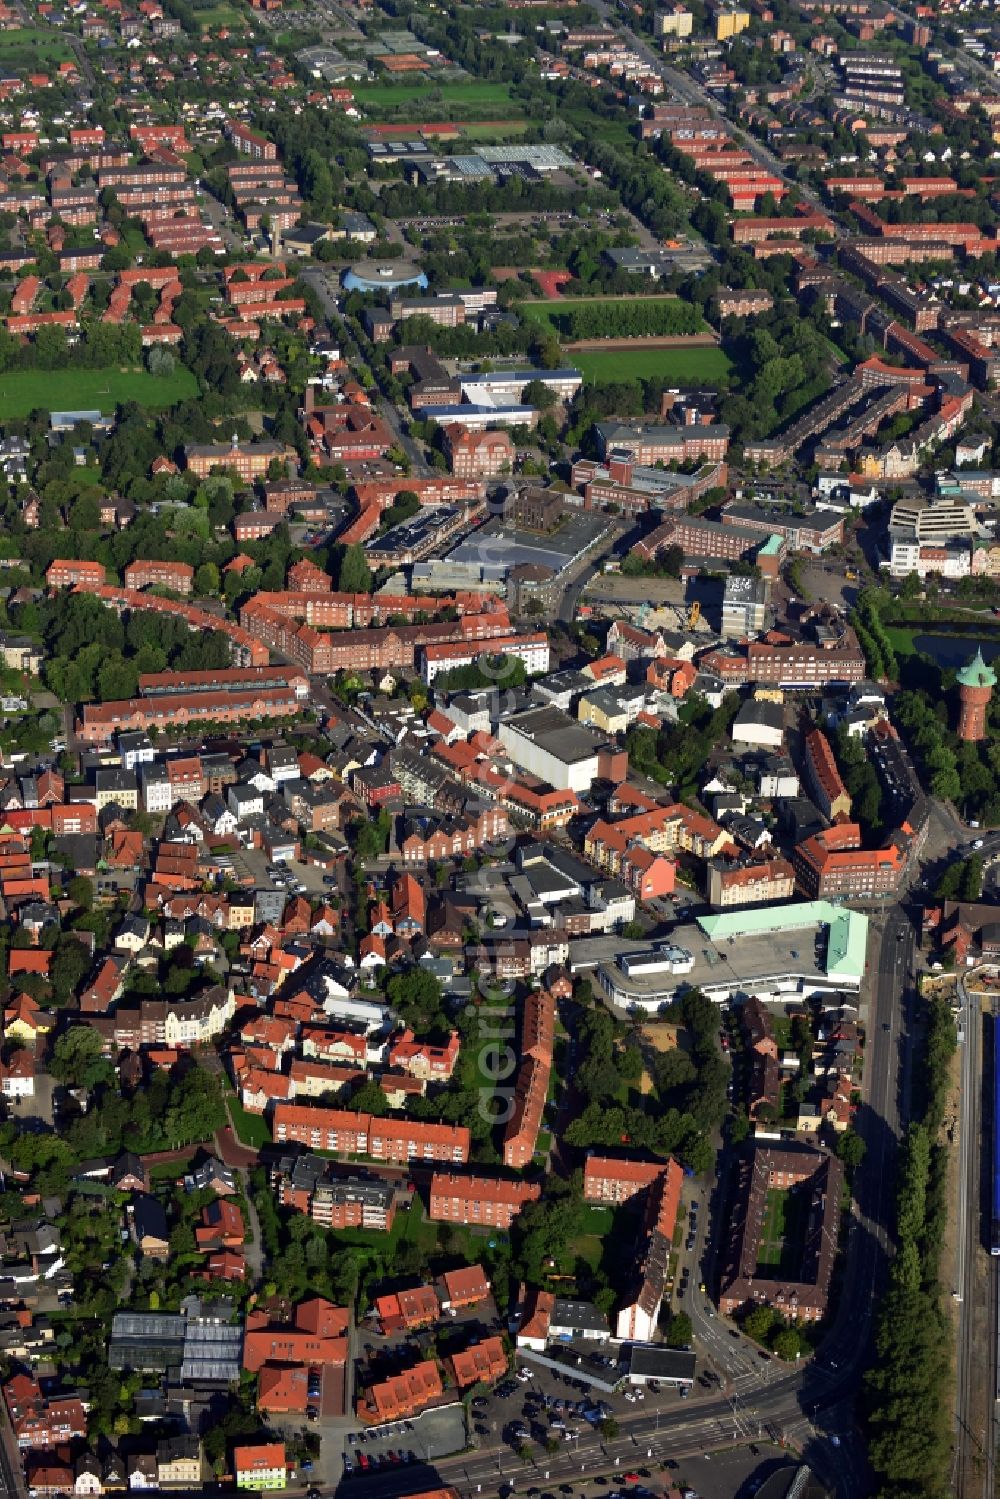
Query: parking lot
(399, 1444)
(538, 1405)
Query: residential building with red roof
(465, 1287)
(398, 1140)
(406, 1310)
(260, 1465)
(823, 778)
(68, 572)
(491, 1201)
(401, 1396)
(481, 1363)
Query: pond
(956, 650)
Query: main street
(810, 1408)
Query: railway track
(974, 1471)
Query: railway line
(977, 1286)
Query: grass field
(476, 98)
(22, 391)
(220, 15)
(39, 45)
(490, 133)
(698, 366)
(250, 1129)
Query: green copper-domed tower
(975, 688)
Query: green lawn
(772, 1232)
(251, 1130)
(474, 97)
(499, 132)
(783, 1230)
(698, 366)
(40, 46)
(221, 15)
(22, 391)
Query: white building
(554, 747)
(157, 793)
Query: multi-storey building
(69, 573)
(177, 576)
(789, 665)
(651, 445)
(833, 864)
(398, 1140)
(250, 460)
(487, 1201)
(749, 884)
(477, 455)
(823, 778)
(612, 1180)
(744, 1281)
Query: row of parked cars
(371, 1462)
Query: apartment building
(532, 1083)
(480, 1363)
(823, 778)
(612, 1180)
(177, 576)
(401, 1396)
(532, 650)
(70, 573)
(249, 143)
(478, 455)
(488, 1201)
(39, 1422)
(312, 1184)
(638, 1313)
(101, 721)
(833, 864)
(397, 1140)
(750, 884)
(744, 1281)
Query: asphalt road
(320, 283)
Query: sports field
(697, 366)
(23, 391)
(424, 95)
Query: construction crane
(694, 614)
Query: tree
(758, 1323)
(851, 1148)
(539, 394)
(355, 574)
(206, 580)
(77, 1060)
(369, 1099)
(69, 965)
(81, 891)
(680, 1333)
(787, 1344)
